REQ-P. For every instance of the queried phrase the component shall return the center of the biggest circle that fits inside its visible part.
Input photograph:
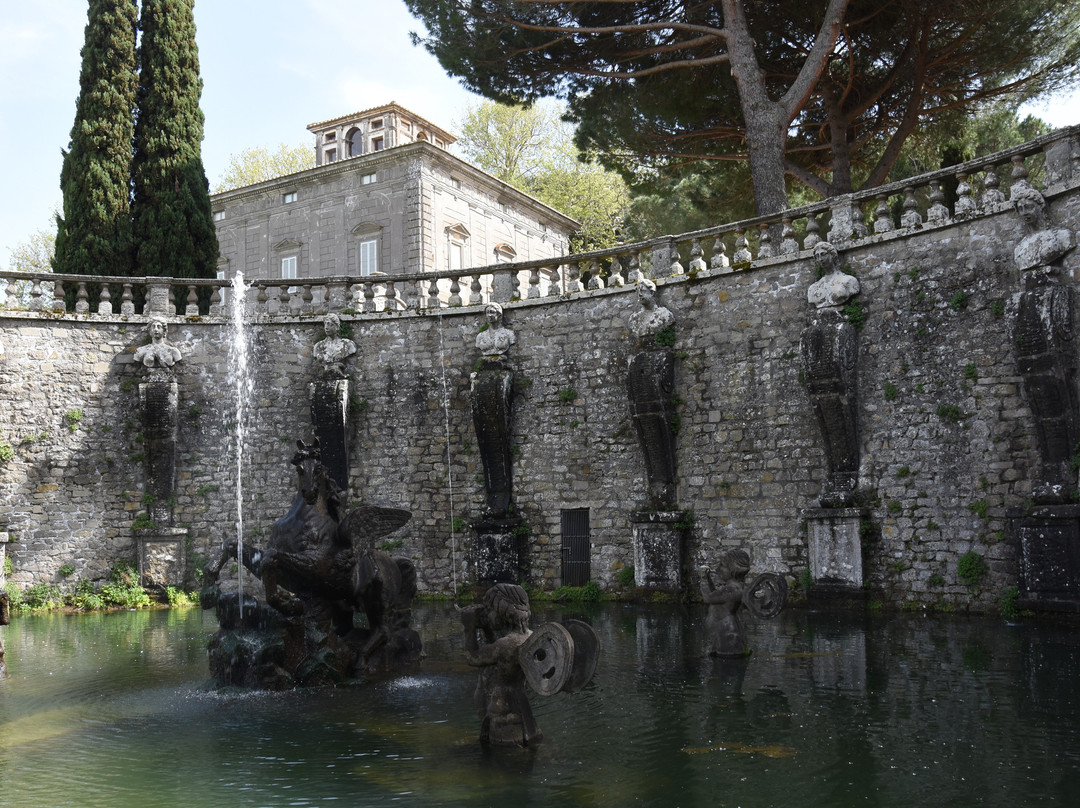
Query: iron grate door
(576, 564)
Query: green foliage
(259, 164)
(937, 579)
(521, 531)
(971, 568)
(86, 598)
(73, 417)
(206, 489)
(567, 395)
(806, 580)
(997, 307)
(950, 412)
(979, 507)
(171, 216)
(891, 391)
(94, 231)
(686, 521)
(589, 593)
(457, 524)
(959, 301)
(9, 566)
(178, 598)
(895, 507)
(65, 570)
(903, 472)
(40, 597)
(194, 413)
(1009, 599)
(854, 313)
(358, 405)
(665, 337)
(123, 588)
(971, 372)
(6, 451)
(143, 522)
(532, 149)
(625, 577)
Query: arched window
(457, 237)
(504, 253)
(355, 142)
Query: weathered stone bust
(1043, 245)
(332, 351)
(835, 288)
(495, 340)
(159, 353)
(652, 317)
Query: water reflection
(109, 710)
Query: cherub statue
(556, 658)
(158, 353)
(506, 718)
(333, 350)
(765, 597)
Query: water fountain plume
(242, 388)
(449, 469)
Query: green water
(111, 710)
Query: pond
(831, 709)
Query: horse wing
(367, 522)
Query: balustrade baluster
(742, 249)
(937, 212)
(911, 216)
(1019, 176)
(390, 298)
(82, 299)
(105, 301)
(573, 283)
(882, 217)
(36, 303)
(634, 273)
(719, 258)
(595, 281)
(788, 244)
(554, 280)
(965, 205)
(283, 300)
(369, 297)
(455, 292)
(676, 267)
(217, 301)
(12, 293)
(765, 248)
(697, 257)
(306, 298)
(127, 300)
(534, 284)
(192, 309)
(262, 300)
(813, 232)
(412, 295)
(433, 301)
(992, 195)
(58, 303)
(475, 296)
(615, 275)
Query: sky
(269, 68)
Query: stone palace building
(384, 197)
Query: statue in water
(319, 568)
(554, 658)
(728, 593)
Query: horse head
(311, 474)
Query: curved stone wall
(947, 440)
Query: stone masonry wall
(947, 440)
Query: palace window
(369, 256)
(289, 197)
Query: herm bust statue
(652, 317)
(158, 353)
(332, 351)
(495, 340)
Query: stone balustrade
(977, 187)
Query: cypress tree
(171, 216)
(94, 233)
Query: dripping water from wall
(449, 469)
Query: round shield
(766, 595)
(547, 658)
(586, 654)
